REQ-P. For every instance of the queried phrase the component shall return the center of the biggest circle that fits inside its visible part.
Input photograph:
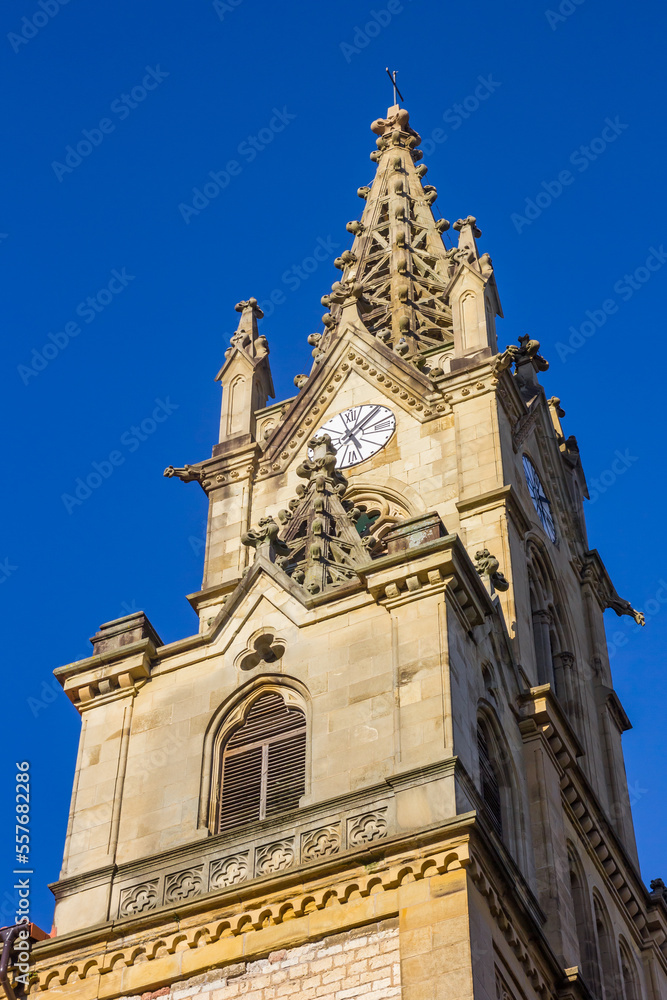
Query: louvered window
(263, 764)
(489, 782)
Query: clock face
(359, 432)
(541, 502)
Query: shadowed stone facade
(432, 613)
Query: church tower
(389, 763)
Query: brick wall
(362, 964)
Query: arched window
(628, 973)
(262, 764)
(488, 778)
(606, 951)
(583, 924)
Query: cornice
(118, 958)
(108, 676)
(541, 715)
(439, 566)
(503, 496)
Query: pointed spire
(247, 336)
(398, 273)
(320, 547)
(245, 375)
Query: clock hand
(361, 426)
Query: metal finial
(392, 77)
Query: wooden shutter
(263, 764)
(489, 782)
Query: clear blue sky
(208, 81)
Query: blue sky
(119, 291)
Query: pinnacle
(398, 270)
(320, 547)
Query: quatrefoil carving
(265, 648)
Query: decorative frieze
(274, 857)
(184, 884)
(228, 871)
(139, 898)
(320, 843)
(223, 862)
(367, 827)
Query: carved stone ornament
(184, 884)
(228, 871)
(318, 547)
(264, 538)
(187, 474)
(489, 565)
(518, 356)
(469, 221)
(264, 649)
(274, 857)
(320, 843)
(366, 828)
(623, 607)
(139, 898)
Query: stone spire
(245, 375)
(398, 273)
(319, 546)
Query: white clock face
(359, 432)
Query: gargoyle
(489, 565)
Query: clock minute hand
(360, 427)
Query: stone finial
(471, 222)
(526, 352)
(397, 120)
(247, 335)
(321, 462)
(264, 538)
(250, 305)
(488, 565)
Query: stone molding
(504, 496)
(154, 937)
(439, 566)
(541, 715)
(107, 676)
(346, 823)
